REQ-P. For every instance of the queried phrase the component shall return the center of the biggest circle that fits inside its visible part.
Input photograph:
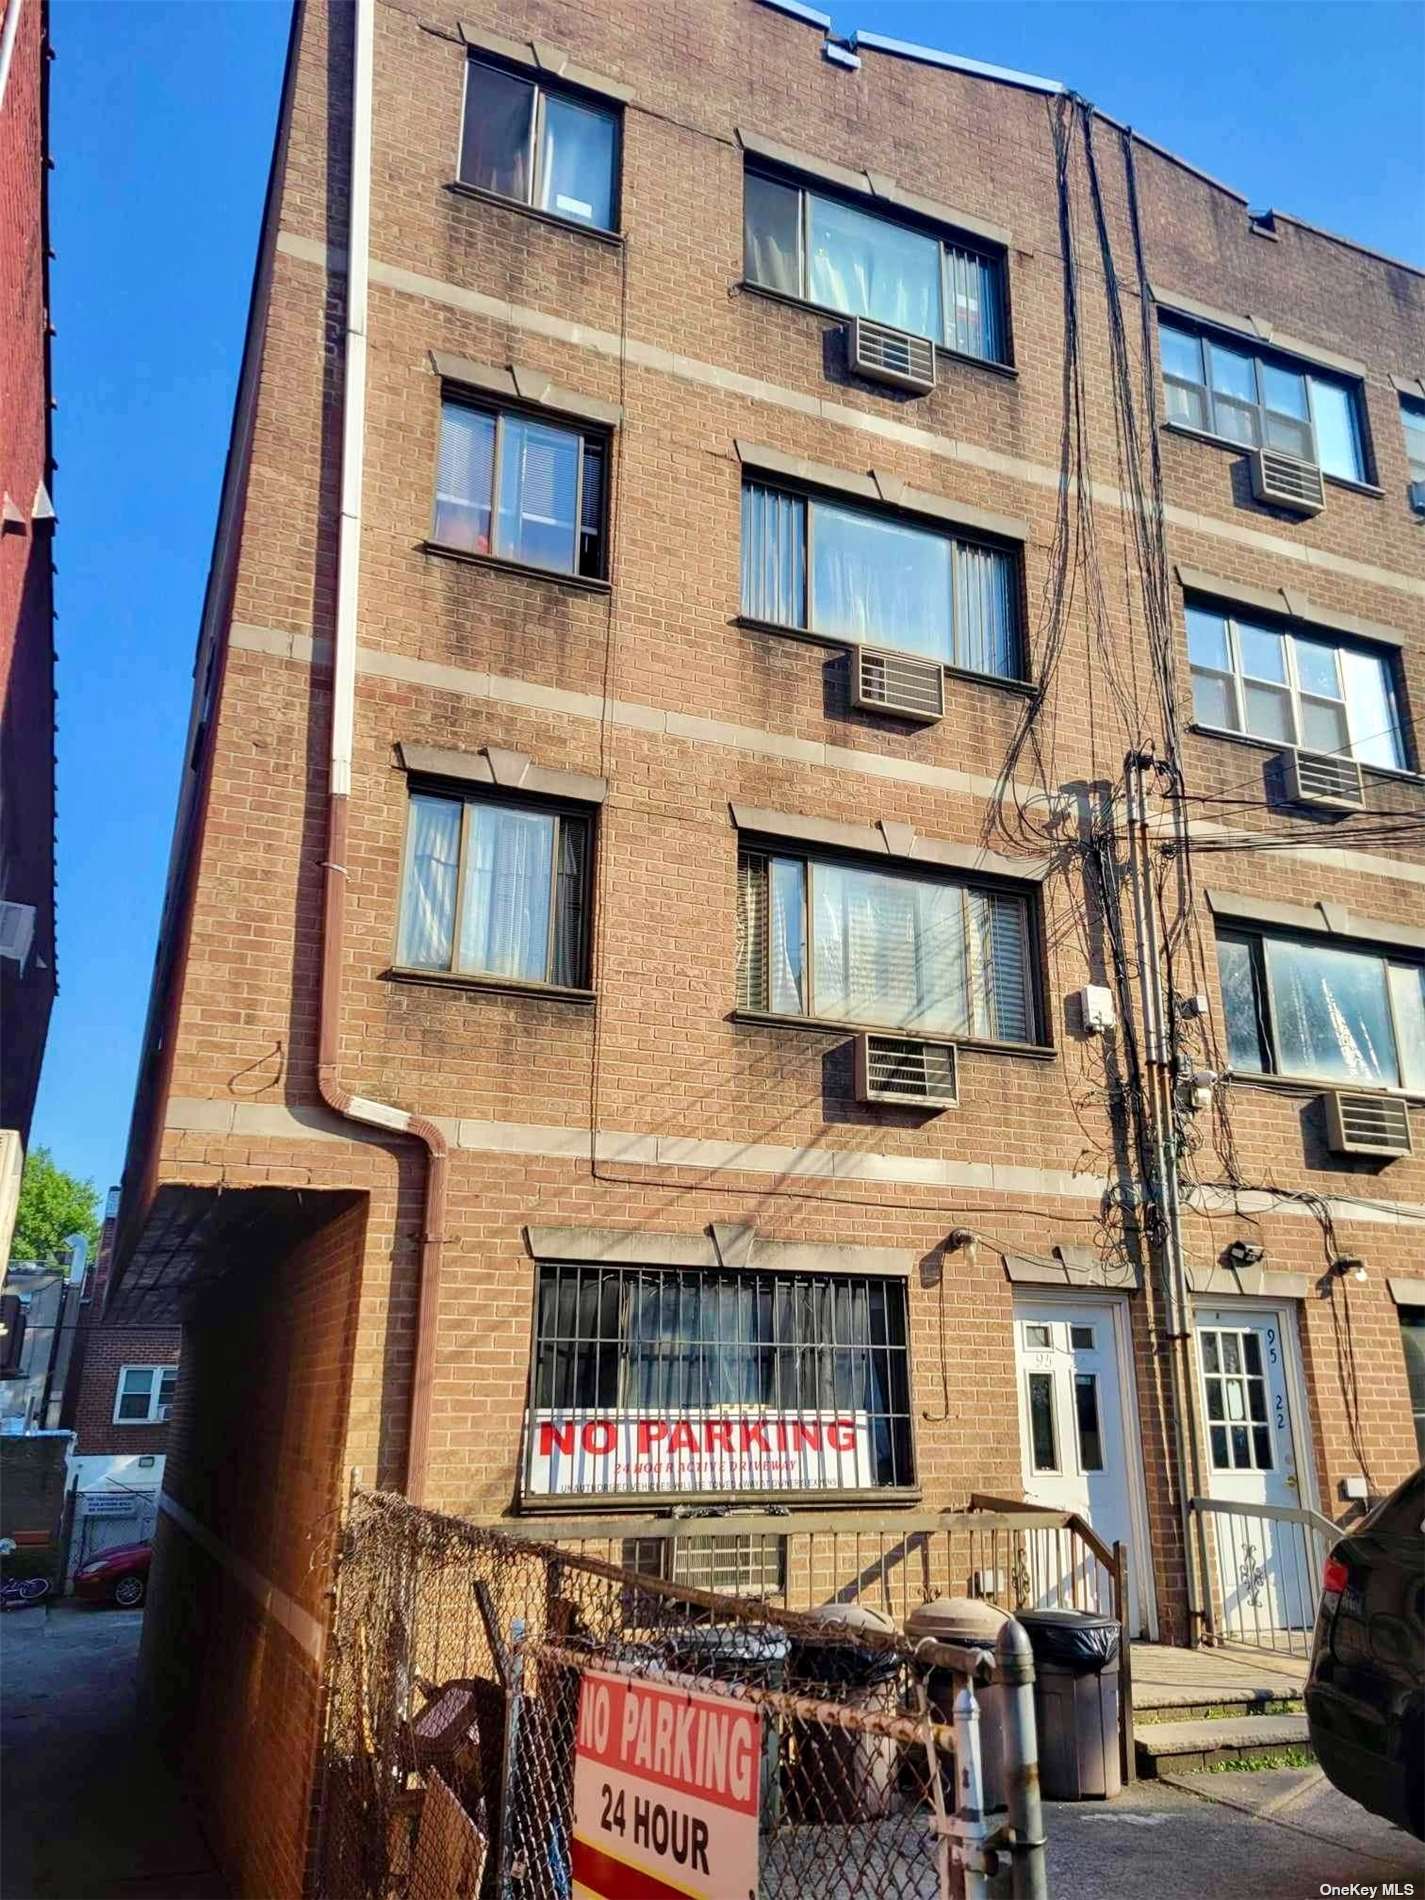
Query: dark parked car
(117, 1576)
(1365, 1696)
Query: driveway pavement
(1279, 1835)
(90, 1811)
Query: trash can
(974, 1623)
(834, 1774)
(751, 1653)
(1076, 1703)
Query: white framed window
(1224, 387)
(1295, 686)
(826, 251)
(1234, 1389)
(542, 147)
(847, 943)
(1299, 1007)
(144, 1394)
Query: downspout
(360, 1108)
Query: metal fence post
(969, 1795)
(1015, 1669)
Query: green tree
(53, 1205)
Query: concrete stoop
(1192, 1742)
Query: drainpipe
(358, 1108)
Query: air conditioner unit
(1285, 482)
(17, 931)
(884, 355)
(1323, 778)
(1417, 497)
(897, 683)
(1367, 1124)
(906, 1072)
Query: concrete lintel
(720, 1245)
(1406, 1292)
(527, 384)
(541, 57)
(495, 765)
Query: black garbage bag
(1069, 1639)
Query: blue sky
(162, 123)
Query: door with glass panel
(1262, 1565)
(1075, 1448)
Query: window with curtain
(835, 254)
(844, 943)
(1295, 1006)
(879, 580)
(144, 1394)
(1294, 686)
(494, 890)
(521, 489)
(543, 148)
(1412, 1340)
(1226, 387)
(627, 1343)
(1412, 420)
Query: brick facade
(26, 570)
(657, 1109)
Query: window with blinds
(521, 489)
(878, 579)
(845, 943)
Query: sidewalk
(91, 1813)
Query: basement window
(144, 1394)
(494, 890)
(542, 147)
(879, 579)
(687, 1381)
(1296, 1007)
(845, 943)
(521, 489)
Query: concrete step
(1242, 1740)
(1231, 1705)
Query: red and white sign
(667, 1784)
(574, 1454)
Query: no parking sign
(666, 1789)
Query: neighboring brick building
(618, 510)
(27, 958)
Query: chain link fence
(508, 1720)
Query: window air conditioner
(896, 683)
(1323, 778)
(1284, 482)
(884, 355)
(17, 931)
(1364, 1124)
(906, 1072)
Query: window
(1081, 1338)
(1298, 1007)
(1295, 688)
(737, 1563)
(1038, 1338)
(883, 949)
(1412, 420)
(1043, 1431)
(144, 1394)
(689, 1380)
(1412, 1339)
(1230, 389)
(882, 580)
(1086, 1418)
(520, 489)
(828, 252)
(1235, 1392)
(547, 149)
(494, 890)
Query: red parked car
(118, 1576)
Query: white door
(1075, 1447)
(1242, 1359)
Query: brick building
(27, 962)
(803, 906)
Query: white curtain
(774, 556)
(786, 971)
(432, 870)
(1331, 1015)
(985, 636)
(505, 929)
(876, 581)
(888, 950)
(1002, 1004)
(973, 319)
(870, 268)
(576, 167)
